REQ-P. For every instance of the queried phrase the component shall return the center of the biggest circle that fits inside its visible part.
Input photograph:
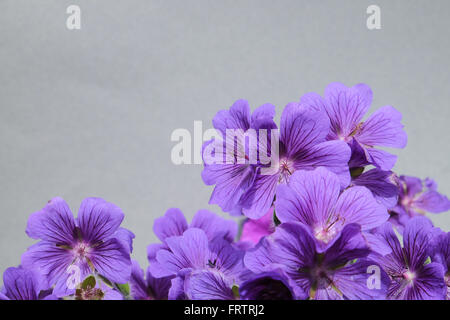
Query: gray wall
(90, 112)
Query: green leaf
(235, 290)
(88, 283)
(276, 221)
(123, 288)
(356, 172)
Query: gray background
(90, 112)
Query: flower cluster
(325, 224)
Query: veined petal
(383, 128)
(187, 251)
(380, 158)
(138, 287)
(125, 237)
(173, 223)
(262, 117)
(381, 184)
(214, 226)
(416, 239)
(98, 220)
(208, 285)
(333, 155)
(432, 201)
(301, 129)
(261, 257)
(231, 182)
(314, 101)
(355, 281)
(348, 246)
(308, 198)
(54, 223)
(48, 259)
(259, 198)
(20, 284)
(237, 117)
(357, 205)
(346, 107)
(158, 287)
(112, 261)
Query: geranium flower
(195, 260)
(316, 274)
(313, 198)
(412, 278)
(416, 197)
(173, 223)
(346, 108)
(69, 247)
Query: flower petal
(416, 239)
(308, 198)
(432, 201)
(346, 107)
(259, 198)
(262, 117)
(112, 261)
(98, 220)
(208, 285)
(231, 182)
(126, 237)
(214, 226)
(48, 259)
(314, 101)
(20, 284)
(301, 129)
(187, 251)
(381, 184)
(238, 117)
(383, 128)
(357, 205)
(380, 158)
(333, 155)
(54, 223)
(355, 281)
(254, 230)
(173, 223)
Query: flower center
(81, 250)
(409, 276)
(325, 234)
(286, 169)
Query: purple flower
(231, 180)
(148, 288)
(267, 286)
(412, 278)
(313, 198)
(416, 198)
(76, 248)
(203, 268)
(245, 187)
(23, 284)
(346, 108)
(382, 184)
(173, 223)
(303, 146)
(440, 252)
(323, 275)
